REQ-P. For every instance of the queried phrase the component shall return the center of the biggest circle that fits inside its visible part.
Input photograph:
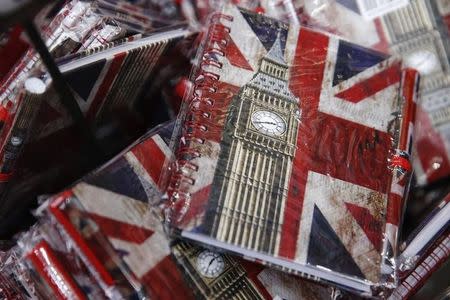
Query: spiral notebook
(293, 150)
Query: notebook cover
(116, 197)
(113, 82)
(423, 44)
(293, 150)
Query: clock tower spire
(250, 185)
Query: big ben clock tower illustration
(251, 180)
(214, 275)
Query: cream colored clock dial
(268, 122)
(210, 264)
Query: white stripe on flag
(143, 257)
(111, 205)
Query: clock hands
(265, 122)
(211, 261)
(210, 264)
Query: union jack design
(346, 173)
(107, 78)
(422, 43)
(116, 199)
(345, 21)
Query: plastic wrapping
(10, 278)
(283, 10)
(20, 105)
(53, 266)
(293, 149)
(21, 128)
(425, 46)
(109, 80)
(106, 32)
(141, 19)
(337, 18)
(292, 152)
(94, 250)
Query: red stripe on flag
(151, 157)
(77, 238)
(165, 281)
(305, 83)
(383, 44)
(372, 85)
(235, 57)
(410, 81)
(105, 86)
(348, 151)
(122, 231)
(45, 261)
(368, 223)
(394, 209)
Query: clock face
(210, 264)
(268, 122)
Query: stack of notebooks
(105, 62)
(284, 177)
(104, 238)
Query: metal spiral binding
(200, 111)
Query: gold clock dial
(268, 122)
(210, 264)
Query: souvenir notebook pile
(293, 150)
(108, 209)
